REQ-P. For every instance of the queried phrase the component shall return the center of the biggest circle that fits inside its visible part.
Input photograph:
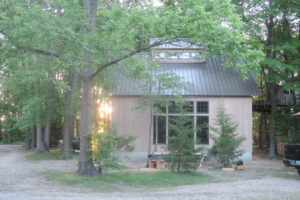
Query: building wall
(130, 121)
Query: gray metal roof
(205, 79)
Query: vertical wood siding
(135, 122)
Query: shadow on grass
(129, 181)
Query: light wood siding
(130, 121)
(135, 122)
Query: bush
(226, 140)
(108, 147)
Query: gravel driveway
(263, 179)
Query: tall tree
(274, 26)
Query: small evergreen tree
(108, 147)
(226, 140)
(182, 153)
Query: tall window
(159, 129)
(197, 111)
(202, 130)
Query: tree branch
(39, 51)
(117, 60)
(32, 49)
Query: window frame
(201, 133)
(193, 114)
(190, 59)
(202, 102)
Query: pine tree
(182, 154)
(226, 140)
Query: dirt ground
(21, 178)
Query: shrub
(226, 140)
(108, 147)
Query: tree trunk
(48, 128)
(156, 132)
(272, 152)
(69, 116)
(68, 132)
(260, 137)
(149, 137)
(28, 140)
(77, 126)
(85, 163)
(33, 138)
(40, 144)
(0, 131)
(271, 84)
(49, 116)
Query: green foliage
(182, 153)
(12, 137)
(274, 27)
(115, 181)
(287, 126)
(225, 139)
(108, 148)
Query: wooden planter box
(157, 164)
(241, 167)
(228, 169)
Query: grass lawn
(118, 181)
(53, 154)
(19, 147)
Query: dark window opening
(159, 129)
(202, 130)
(173, 107)
(188, 107)
(160, 109)
(202, 106)
(184, 108)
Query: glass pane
(173, 107)
(188, 107)
(159, 109)
(202, 107)
(159, 129)
(184, 55)
(173, 55)
(196, 56)
(202, 130)
(159, 55)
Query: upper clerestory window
(179, 55)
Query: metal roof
(205, 79)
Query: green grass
(44, 156)
(19, 148)
(53, 154)
(215, 169)
(117, 181)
